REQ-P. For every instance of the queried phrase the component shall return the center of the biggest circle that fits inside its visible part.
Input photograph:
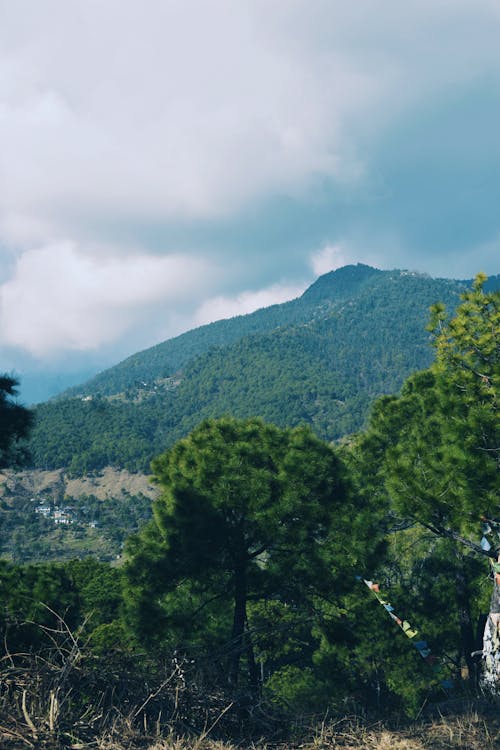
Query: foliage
(15, 423)
(249, 513)
(441, 436)
(36, 597)
(433, 452)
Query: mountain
(321, 359)
(167, 358)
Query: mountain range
(321, 359)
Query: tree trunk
(467, 639)
(239, 620)
(241, 640)
(253, 671)
(490, 680)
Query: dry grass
(58, 703)
(105, 484)
(468, 732)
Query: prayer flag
(411, 633)
(408, 629)
(420, 645)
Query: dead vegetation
(63, 701)
(56, 484)
(470, 731)
(65, 697)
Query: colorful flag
(485, 544)
(410, 632)
(420, 645)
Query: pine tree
(248, 511)
(438, 445)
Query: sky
(166, 163)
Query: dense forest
(281, 577)
(170, 356)
(320, 360)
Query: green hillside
(355, 334)
(165, 359)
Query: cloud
(328, 258)
(188, 110)
(175, 110)
(216, 143)
(61, 298)
(217, 308)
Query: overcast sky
(164, 163)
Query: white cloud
(188, 109)
(192, 109)
(217, 308)
(179, 109)
(328, 258)
(62, 298)
(146, 115)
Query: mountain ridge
(166, 358)
(319, 360)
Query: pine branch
(450, 534)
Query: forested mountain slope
(321, 359)
(165, 359)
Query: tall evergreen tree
(248, 511)
(438, 445)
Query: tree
(247, 511)
(438, 447)
(15, 422)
